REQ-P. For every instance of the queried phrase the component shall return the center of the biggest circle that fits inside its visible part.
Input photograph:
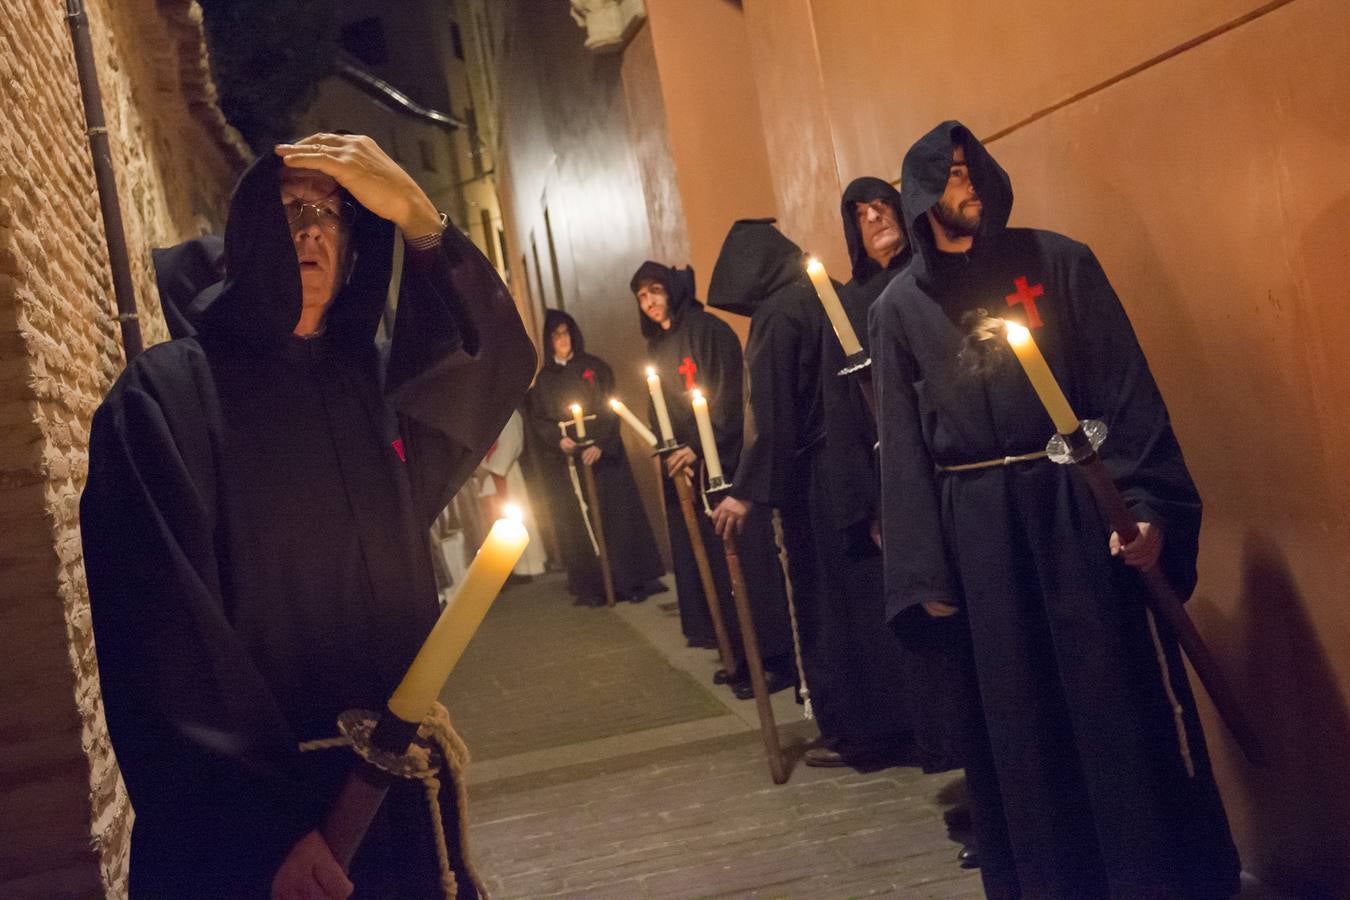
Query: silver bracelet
(428, 241)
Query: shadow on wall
(1302, 719)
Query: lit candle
(413, 697)
(705, 434)
(633, 421)
(659, 401)
(579, 420)
(843, 328)
(1042, 379)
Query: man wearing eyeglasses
(255, 523)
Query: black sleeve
(725, 368)
(771, 359)
(459, 363)
(604, 428)
(1141, 450)
(199, 738)
(916, 564)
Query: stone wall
(67, 821)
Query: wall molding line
(1163, 57)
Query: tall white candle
(843, 328)
(633, 421)
(1042, 379)
(461, 617)
(579, 420)
(659, 401)
(705, 434)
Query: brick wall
(65, 823)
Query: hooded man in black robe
(571, 375)
(760, 273)
(689, 347)
(1078, 772)
(255, 521)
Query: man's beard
(956, 223)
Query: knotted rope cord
(1183, 742)
(436, 728)
(807, 711)
(576, 489)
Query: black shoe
(702, 643)
(958, 818)
(773, 681)
(969, 857)
(824, 758)
(722, 676)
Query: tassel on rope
(808, 712)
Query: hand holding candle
(705, 435)
(659, 401)
(633, 421)
(1042, 379)
(843, 328)
(413, 697)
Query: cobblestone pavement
(630, 779)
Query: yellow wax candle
(633, 421)
(459, 620)
(659, 401)
(579, 420)
(705, 434)
(1042, 379)
(843, 328)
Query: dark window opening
(457, 41)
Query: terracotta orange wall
(712, 112)
(1214, 184)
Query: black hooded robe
(700, 350)
(1077, 781)
(759, 273)
(587, 379)
(927, 693)
(254, 530)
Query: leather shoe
(824, 758)
(702, 643)
(969, 857)
(722, 676)
(773, 681)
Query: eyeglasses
(328, 215)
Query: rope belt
(991, 463)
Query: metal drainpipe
(123, 289)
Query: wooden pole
(1163, 600)
(593, 501)
(768, 728)
(730, 661)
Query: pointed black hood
(258, 303)
(755, 261)
(923, 178)
(182, 272)
(865, 190)
(679, 285)
(552, 319)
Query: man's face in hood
(880, 230)
(561, 339)
(958, 211)
(318, 216)
(654, 302)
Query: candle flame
(575, 408)
(813, 265)
(651, 371)
(614, 403)
(697, 394)
(513, 512)
(1017, 334)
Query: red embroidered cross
(1027, 297)
(589, 375)
(398, 448)
(688, 369)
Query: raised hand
(373, 179)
